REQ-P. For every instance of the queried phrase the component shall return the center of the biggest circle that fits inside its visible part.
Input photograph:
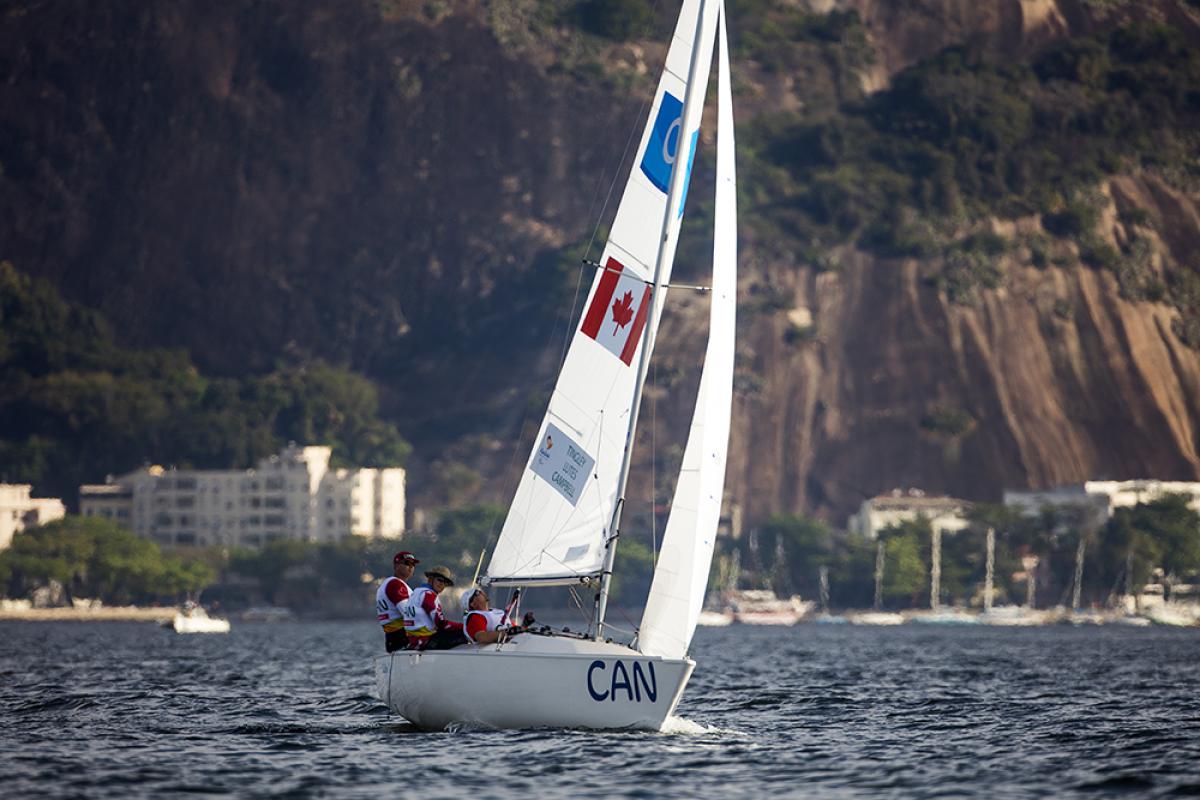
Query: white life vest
(493, 616)
(387, 611)
(417, 620)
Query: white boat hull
(767, 617)
(876, 618)
(715, 619)
(532, 682)
(197, 624)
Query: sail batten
(681, 574)
(560, 515)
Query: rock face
(392, 186)
(1051, 379)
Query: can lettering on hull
(622, 682)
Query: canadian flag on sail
(617, 314)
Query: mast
(989, 577)
(674, 195)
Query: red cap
(404, 555)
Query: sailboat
(564, 522)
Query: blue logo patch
(664, 141)
(664, 144)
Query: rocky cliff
(407, 188)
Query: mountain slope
(406, 188)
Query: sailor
(428, 628)
(485, 625)
(390, 596)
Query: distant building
(19, 511)
(1103, 496)
(946, 514)
(293, 495)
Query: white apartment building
(1103, 496)
(292, 495)
(19, 511)
(945, 514)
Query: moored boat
(715, 619)
(763, 607)
(1013, 616)
(875, 618)
(943, 616)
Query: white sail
(556, 527)
(681, 575)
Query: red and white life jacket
(391, 615)
(493, 617)
(417, 621)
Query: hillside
(963, 269)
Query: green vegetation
(617, 19)
(1161, 535)
(78, 406)
(911, 170)
(96, 559)
(946, 421)
(826, 53)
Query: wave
(681, 726)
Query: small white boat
(1173, 615)
(875, 618)
(715, 619)
(1012, 616)
(944, 616)
(195, 619)
(763, 607)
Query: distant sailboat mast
(666, 253)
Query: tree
(1163, 533)
(806, 544)
(906, 571)
(96, 558)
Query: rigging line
(562, 356)
(633, 626)
(633, 129)
(587, 618)
(653, 472)
(625, 614)
(613, 183)
(624, 153)
(643, 281)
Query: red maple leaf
(622, 311)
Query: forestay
(681, 575)
(556, 527)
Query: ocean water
(120, 710)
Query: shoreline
(113, 614)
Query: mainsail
(681, 575)
(557, 525)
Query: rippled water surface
(113, 710)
